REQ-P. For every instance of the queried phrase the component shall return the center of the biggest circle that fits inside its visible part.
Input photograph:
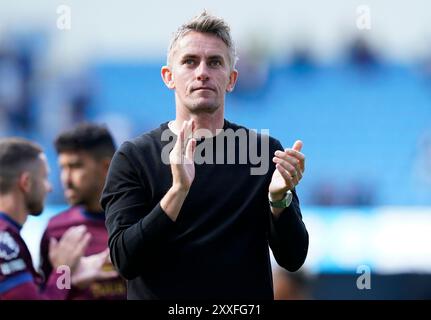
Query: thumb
(190, 150)
(297, 146)
(104, 254)
(52, 243)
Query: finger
(181, 139)
(299, 176)
(292, 160)
(101, 262)
(68, 233)
(74, 232)
(104, 275)
(191, 146)
(185, 139)
(108, 259)
(297, 146)
(298, 155)
(181, 133)
(295, 179)
(286, 176)
(292, 172)
(189, 129)
(100, 259)
(292, 153)
(71, 238)
(175, 156)
(108, 256)
(104, 255)
(77, 238)
(188, 134)
(286, 165)
(53, 243)
(106, 251)
(82, 245)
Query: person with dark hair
(191, 219)
(84, 154)
(292, 285)
(23, 188)
(96, 140)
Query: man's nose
(66, 177)
(202, 72)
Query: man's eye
(189, 61)
(215, 63)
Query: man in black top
(187, 209)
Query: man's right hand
(183, 171)
(181, 157)
(70, 248)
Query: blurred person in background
(23, 188)
(361, 54)
(421, 169)
(185, 230)
(15, 74)
(291, 285)
(255, 70)
(84, 154)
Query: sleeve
(19, 286)
(17, 280)
(288, 236)
(45, 267)
(137, 227)
(23, 287)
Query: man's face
(40, 187)
(82, 177)
(200, 72)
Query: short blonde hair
(206, 23)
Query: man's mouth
(203, 88)
(70, 192)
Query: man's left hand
(290, 165)
(93, 268)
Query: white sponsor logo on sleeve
(12, 266)
(9, 249)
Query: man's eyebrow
(194, 56)
(188, 56)
(216, 56)
(71, 163)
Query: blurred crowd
(38, 102)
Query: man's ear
(25, 181)
(232, 80)
(104, 164)
(168, 77)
